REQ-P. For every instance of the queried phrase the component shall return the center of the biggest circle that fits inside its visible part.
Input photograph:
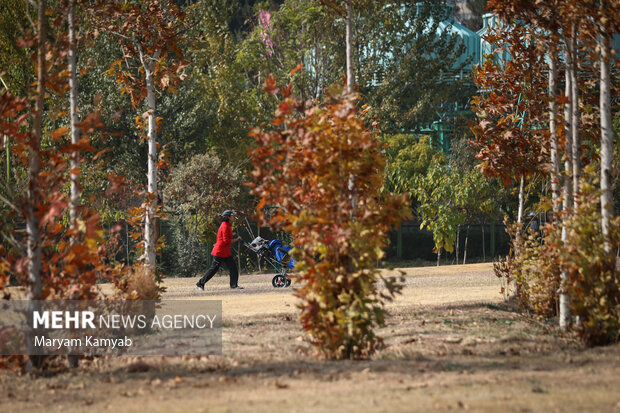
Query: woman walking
(221, 253)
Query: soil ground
(452, 343)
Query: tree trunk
(238, 258)
(553, 115)
(565, 316)
(34, 165)
(607, 144)
(465, 246)
(438, 256)
(151, 209)
(73, 118)
(350, 83)
(492, 240)
(72, 360)
(257, 256)
(349, 46)
(127, 242)
(458, 240)
(73, 115)
(7, 148)
(568, 149)
(520, 215)
(193, 239)
(521, 200)
(576, 154)
(33, 235)
(484, 253)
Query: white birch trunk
(520, 215)
(607, 144)
(72, 360)
(34, 165)
(521, 201)
(568, 149)
(565, 316)
(349, 46)
(553, 115)
(576, 154)
(350, 83)
(33, 235)
(465, 246)
(7, 148)
(73, 113)
(149, 226)
(150, 232)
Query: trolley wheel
(278, 281)
(288, 282)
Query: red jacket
(224, 239)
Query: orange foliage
(318, 174)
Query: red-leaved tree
(302, 166)
(511, 133)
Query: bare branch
(125, 57)
(123, 36)
(141, 55)
(11, 240)
(33, 4)
(8, 203)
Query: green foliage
(202, 188)
(406, 66)
(300, 31)
(224, 102)
(185, 255)
(402, 86)
(439, 204)
(322, 171)
(447, 198)
(16, 67)
(407, 157)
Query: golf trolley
(277, 255)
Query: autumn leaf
(59, 133)
(298, 68)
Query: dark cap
(228, 213)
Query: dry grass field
(452, 344)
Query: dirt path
(452, 344)
(424, 285)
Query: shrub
(592, 280)
(142, 284)
(593, 283)
(534, 270)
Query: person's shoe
(237, 287)
(200, 287)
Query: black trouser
(215, 265)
